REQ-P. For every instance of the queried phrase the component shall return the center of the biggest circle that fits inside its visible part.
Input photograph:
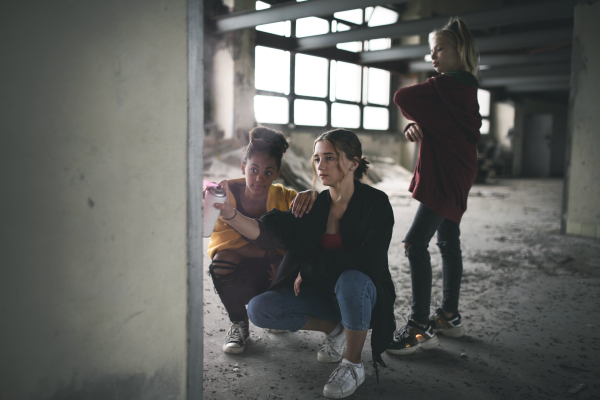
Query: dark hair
(343, 141)
(276, 144)
(457, 32)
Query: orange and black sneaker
(411, 337)
(451, 327)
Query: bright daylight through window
(315, 91)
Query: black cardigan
(366, 231)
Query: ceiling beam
(556, 86)
(475, 20)
(524, 80)
(283, 12)
(498, 60)
(484, 44)
(527, 70)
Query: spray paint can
(213, 195)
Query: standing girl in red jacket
(446, 124)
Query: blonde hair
(346, 142)
(457, 32)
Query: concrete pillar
(93, 167)
(582, 186)
(232, 65)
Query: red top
(331, 241)
(448, 113)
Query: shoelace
(341, 372)
(329, 350)
(236, 333)
(402, 332)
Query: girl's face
(326, 164)
(260, 171)
(444, 55)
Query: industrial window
(283, 28)
(307, 90)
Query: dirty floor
(530, 301)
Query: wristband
(229, 219)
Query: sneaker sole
(326, 359)
(341, 396)
(452, 332)
(427, 345)
(233, 350)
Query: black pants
(424, 226)
(247, 280)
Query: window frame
(362, 103)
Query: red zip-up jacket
(447, 111)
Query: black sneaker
(451, 327)
(236, 338)
(411, 337)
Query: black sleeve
(369, 258)
(277, 229)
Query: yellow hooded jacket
(224, 237)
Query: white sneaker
(236, 338)
(334, 348)
(346, 378)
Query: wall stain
(132, 316)
(91, 202)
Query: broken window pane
(345, 115)
(311, 26)
(310, 112)
(271, 109)
(311, 76)
(376, 118)
(272, 70)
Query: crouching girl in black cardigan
(334, 277)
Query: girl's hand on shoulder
(226, 208)
(414, 133)
(297, 284)
(302, 203)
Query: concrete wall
(93, 114)
(582, 188)
(231, 73)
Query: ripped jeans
(424, 226)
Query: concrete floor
(530, 301)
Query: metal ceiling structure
(293, 10)
(524, 47)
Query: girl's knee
(450, 248)
(352, 282)
(259, 310)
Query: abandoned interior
(115, 114)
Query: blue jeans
(352, 303)
(424, 226)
